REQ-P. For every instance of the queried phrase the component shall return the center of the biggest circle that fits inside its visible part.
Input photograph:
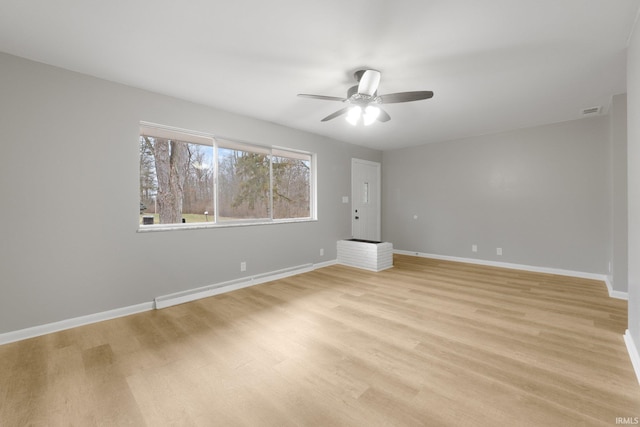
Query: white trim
(185, 135)
(176, 298)
(613, 293)
(223, 224)
(633, 353)
(325, 264)
(49, 328)
(203, 292)
(618, 295)
(160, 302)
(535, 269)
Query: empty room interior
(337, 213)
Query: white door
(365, 199)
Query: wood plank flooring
(427, 343)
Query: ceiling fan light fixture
(371, 113)
(362, 99)
(354, 115)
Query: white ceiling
(493, 64)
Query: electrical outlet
(499, 251)
(321, 251)
(243, 266)
(474, 248)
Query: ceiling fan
(364, 99)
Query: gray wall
(69, 199)
(618, 116)
(633, 181)
(541, 194)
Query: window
(176, 177)
(291, 184)
(190, 178)
(244, 182)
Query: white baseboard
(160, 302)
(325, 264)
(219, 288)
(223, 287)
(232, 285)
(49, 328)
(633, 353)
(524, 267)
(613, 293)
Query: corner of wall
(632, 337)
(632, 348)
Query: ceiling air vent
(591, 111)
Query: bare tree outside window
(180, 180)
(291, 187)
(244, 185)
(176, 180)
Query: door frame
(378, 194)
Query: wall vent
(591, 111)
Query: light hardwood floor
(427, 343)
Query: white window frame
(202, 138)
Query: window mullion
(216, 179)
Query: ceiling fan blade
(383, 116)
(323, 97)
(392, 98)
(369, 82)
(336, 114)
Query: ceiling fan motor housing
(368, 82)
(354, 97)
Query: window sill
(204, 225)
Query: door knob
(357, 217)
